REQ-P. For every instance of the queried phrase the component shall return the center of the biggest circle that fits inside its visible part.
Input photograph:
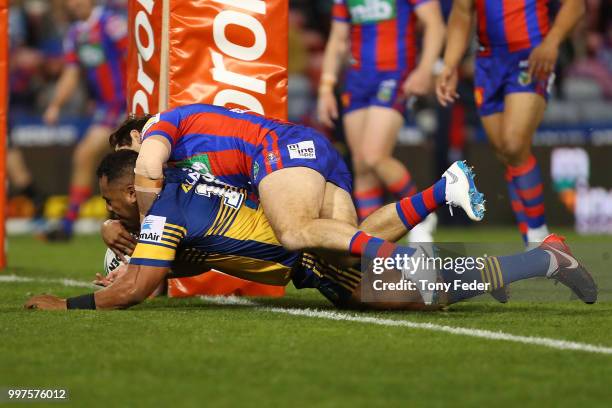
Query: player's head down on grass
(116, 178)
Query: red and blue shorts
(365, 88)
(300, 146)
(501, 73)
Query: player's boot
(461, 191)
(502, 295)
(565, 268)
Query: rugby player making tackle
(301, 181)
(197, 223)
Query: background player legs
(522, 116)
(368, 192)
(378, 140)
(87, 154)
(493, 125)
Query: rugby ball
(112, 261)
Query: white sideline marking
(321, 314)
(484, 334)
(65, 282)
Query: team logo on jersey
(385, 90)
(371, 11)
(271, 157)
(524, 78)
(255, 170)
(152, 228)
(199, 163)
(302, 150)
(91, 55)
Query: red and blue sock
(78, 195)
(527, 179)
(368, 201)
(363, 244)
(517, 207)
(404, 187)
(412, 210)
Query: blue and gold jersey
(199, 220)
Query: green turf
(190, 353)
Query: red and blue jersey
(218, 141)
(240, 148)
(512, 25)
(383, 32)
(99, 46)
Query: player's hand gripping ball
(113, 268)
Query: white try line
(484, 334)
(64, 282)
(347, 317)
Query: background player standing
(96, 45)
(519, 45)
(383, 75)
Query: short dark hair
(121, 137)
(117, 165)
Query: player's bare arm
(544, 57)
(149, 175)
(420, 80)
(458, 35)
(333, 59)
(128, 290)
(67, 84)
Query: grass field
(195, 352)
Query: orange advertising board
(224, 52)
(229, 52)
(144, 55)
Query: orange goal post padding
(222, 52)
(4, 45)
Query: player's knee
(372, 160)
(83, 156)
(512, 150)
(292, 239)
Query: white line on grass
(65, 282)
(484, 334)
(321, 314)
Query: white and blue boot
(461, 191)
